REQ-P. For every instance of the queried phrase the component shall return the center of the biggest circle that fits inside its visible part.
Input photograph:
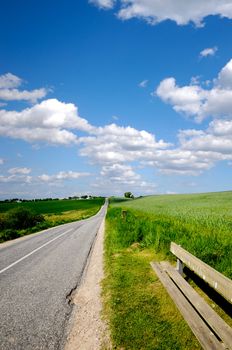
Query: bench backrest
(215, 279)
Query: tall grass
(141, 314)
(202, 224)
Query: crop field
(139, 231)
(53, 206)
(19, 219)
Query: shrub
(2, 222)
(7, 234)
(22, 218)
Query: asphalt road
(37, 274)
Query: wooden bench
(210, 329)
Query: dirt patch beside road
(89, 332)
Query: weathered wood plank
(215, 279)
(221, 328)
(206, 338)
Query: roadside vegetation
(141, 314)
(19, 219)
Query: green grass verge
(140, 313)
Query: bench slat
(215, 279)
(206, 338)
(221, 328)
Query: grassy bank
(55, 212)
(141, 314)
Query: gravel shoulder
(87, 329)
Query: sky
(102, 97)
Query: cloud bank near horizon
(120, 151)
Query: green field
(141, 314)
(53, 206)
(53, 212)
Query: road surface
(37, 275)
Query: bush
(22, 218)
(8, 234)
(2, 222)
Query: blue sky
(104, 96)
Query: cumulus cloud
(62, 175)
(210, 51)
(49, 121)
(9, 92)
(116, 144)
(198, 102)
(224, 79)
(116, 149)
(104, 4)
(23, 171)
(199, 150)
(1, 161)
(9, 81)
(217, 139)
(16, 95)
(181, 161)
(186, 99)
(120, 173)
(15, 178)
(179, 11)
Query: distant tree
(128, 195)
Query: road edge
(87, 330)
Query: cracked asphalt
(34, 307)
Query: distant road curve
(37, 274)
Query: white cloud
(186, 99)
(224, 79)
(9, 81)
(120, 173)
(104, 4)
(116, 149)
(62, 175)
(15, 178)
(9, 92)
(16, 95)
(105, 185)
(115, 144)
(180, 161)
(1, 161)
(182, 12)
(20, 183)
(23, 171)
(210, 51)
(199, 150)
(197, 102)
(143, 83)
(217, 139)
(49, 121)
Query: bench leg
(179, 266)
